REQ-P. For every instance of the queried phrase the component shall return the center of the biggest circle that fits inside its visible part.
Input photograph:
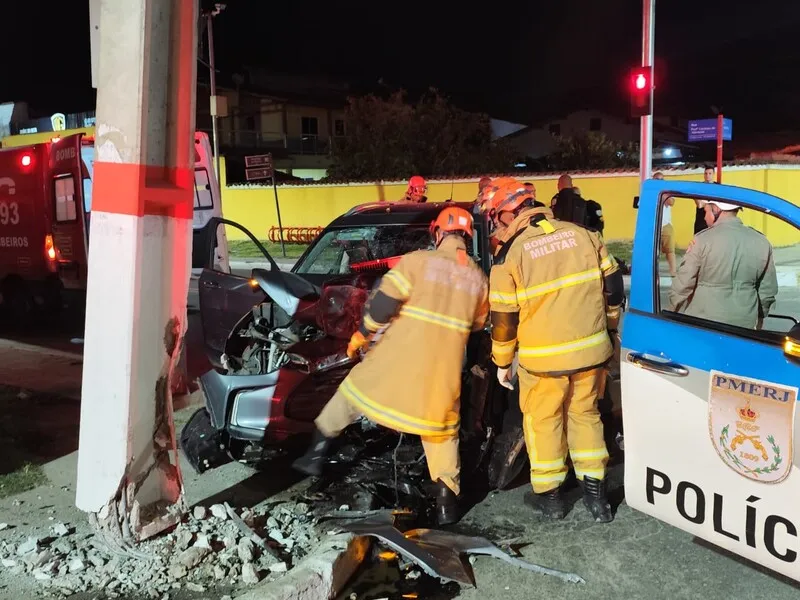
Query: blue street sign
(705, 130)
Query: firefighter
(554, 293)
(498, 230)
(417, 188)
(410, 381)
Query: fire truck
(45, 208)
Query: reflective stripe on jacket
(410, 381)
(547, 296)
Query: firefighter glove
(504, 376)
(357, 342)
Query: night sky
(522, 61)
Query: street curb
(321, 575)
(6, 344)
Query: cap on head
(723, 205)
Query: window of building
(338, 127)
(554, 128)
(66, 207)
(250, 123)
(595, 124)
(309, 126)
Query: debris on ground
(212, 547)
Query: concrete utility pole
(648, 57)
(129, 480)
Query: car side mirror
(791, 345)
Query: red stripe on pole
(140, 190)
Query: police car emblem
(751, 423)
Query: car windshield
(338, 249)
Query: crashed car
(277, 340)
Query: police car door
(709, 409)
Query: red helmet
(417, 184)
(453, 219)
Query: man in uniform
(417, 188)
(411, 380)
(728, 273)
(554, 294)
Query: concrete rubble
(214, 546)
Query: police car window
(203, 200)
(65, 205)
(337, 249)
(732, 286)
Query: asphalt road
(635, 557)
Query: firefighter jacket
(727, 275)
(410, 381)
(548, 296)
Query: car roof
(395, 213)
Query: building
(296, 118)
(540, 140)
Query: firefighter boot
(594, 498)
(312, 461)
(550, 504)
(446, 504)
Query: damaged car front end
(283, 357)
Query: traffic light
(641, 89)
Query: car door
(225, 297)
(709, 408)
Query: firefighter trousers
(441, 453)
(559, 414)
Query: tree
(392, 139)
(591, 150)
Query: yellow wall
(318, 205)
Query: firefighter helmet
(453, 219)
(508, 196)
(417, 184)
(488, 192)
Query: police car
(710, 409)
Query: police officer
(411, 380)
(553, 291)
(728, 273)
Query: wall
(318, 205)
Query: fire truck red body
(42, 224)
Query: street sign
(258, 173)
(705, 130)
(261, 160)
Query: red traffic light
(641, 91)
